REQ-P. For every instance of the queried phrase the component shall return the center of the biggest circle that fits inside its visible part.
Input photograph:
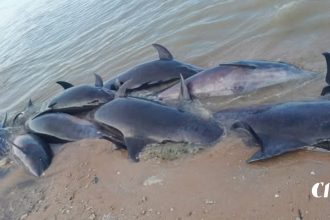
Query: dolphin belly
(237, 78)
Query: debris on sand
(152, 180)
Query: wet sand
(90, 180)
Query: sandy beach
(90, 180)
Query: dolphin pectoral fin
(327, 59)
(259, 155)
(121, 92)
(64, 84)
(256, 140)
(239, 65)
(113, 135)
(134, 147)
(275, 146)
(325, 90)
(98, 81)
(271, 146)
(164, 54)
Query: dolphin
(236, 78)
(141, 122)
(32, 152)
(157, 74)
(62, 127)
(283, 127)
(82, 97)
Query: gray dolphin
(82, 97)
(141, 122)
(158, 73)
(281, 128)
(62, 127)
(237, 78)
(32, 152)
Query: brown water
(45, 41)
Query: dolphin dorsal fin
(64, 84)
(184, 91)
(327, 59)
(163, 53)
(4, 121)
(30, 103)
(98, 81)
(325, 90)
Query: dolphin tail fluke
(327, 59)
(65, 85)
(134, 147)
(164, 54)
